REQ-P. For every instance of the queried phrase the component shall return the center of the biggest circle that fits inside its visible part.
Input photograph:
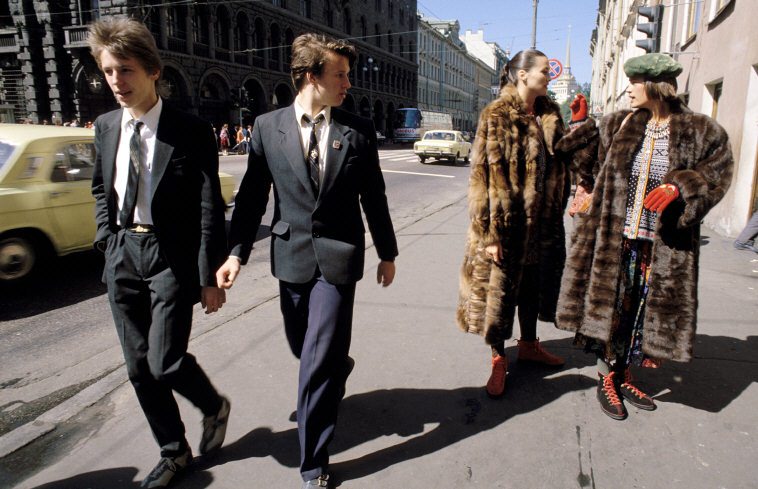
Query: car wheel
(455, 158)
(18, 257)
(423, 160)
(465, 159)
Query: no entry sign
(556, 68)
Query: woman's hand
(495, 251)
(660, 197)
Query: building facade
(717, 44)
(489, 52)
(225, 61)
(449, 76)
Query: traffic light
(234, 97)
(651, 29)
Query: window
(305, 8)
(714, 90)
(328, 14)
(378, 5)
(692, 19)
(717, 6)
(348, 22)
(74, 162)
(391, 8)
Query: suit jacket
(185, 195)
(308, 230)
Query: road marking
(416, 173)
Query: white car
(441, 144)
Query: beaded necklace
(657, 130)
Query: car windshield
(439, 136)
(5, 152)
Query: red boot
(496, 382)
(532, 351)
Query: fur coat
(700, 165)
(505, 206)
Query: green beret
(652, 66)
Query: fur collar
(510, 105)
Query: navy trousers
(153, 316)
(318, 321)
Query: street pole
(534, 24)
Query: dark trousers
(751, 230)
(153, 316)
(317, 321)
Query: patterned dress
(649, 166)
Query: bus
(410, 124)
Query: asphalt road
(57, 336)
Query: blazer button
(316, 235)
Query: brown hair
(310, 54)
(523, 60)
(126, 38)
(661, 89)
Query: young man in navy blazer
(324, 166)
(160, 224)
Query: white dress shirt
(147, 134)
(322, 134)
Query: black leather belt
(141, 228)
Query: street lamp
(369, 69)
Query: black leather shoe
(320, 481)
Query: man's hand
(212, 298)
(495, 251)
(660, 197)
(227, 274)
(385, 273)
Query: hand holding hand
(212, 299)
(228, 272)
(495, 251)
(660, 197)
(385, 273)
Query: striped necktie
(132, 183)
(313, 153)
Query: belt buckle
(139, 228)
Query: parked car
(442, 144)
(46, 203)
(380, 139)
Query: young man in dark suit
(160, 224)
(324, 166)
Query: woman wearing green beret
(629, 287)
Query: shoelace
(610, 390)
(159, 469)
(628, 384)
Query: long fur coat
(700, 165)
(505, 205)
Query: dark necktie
(132, 184)
(313, 153)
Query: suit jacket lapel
(163, 148)
(336, 151)
(109, 137)
(291, 145)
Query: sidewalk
(416, 415)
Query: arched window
(240, 32)
(364, 27)
(328, 13)
(377, 36)
(305, 9)
(200, 25)
(223, 22)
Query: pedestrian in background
(630, 282)
(324, 166)
(224, 138)
(746, 239)
(517, 196)
(160, 224)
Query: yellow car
(46, 203)
(441, 144)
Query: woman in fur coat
(517, 195)
(630, 282)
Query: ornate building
(225, 61)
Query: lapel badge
(336, 144)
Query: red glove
(578, 108)
(660, 197)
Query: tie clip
(336, 144)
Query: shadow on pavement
(120, 478)
(723, 368)
(64, 281)
(456, 414)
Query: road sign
(556, 68)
